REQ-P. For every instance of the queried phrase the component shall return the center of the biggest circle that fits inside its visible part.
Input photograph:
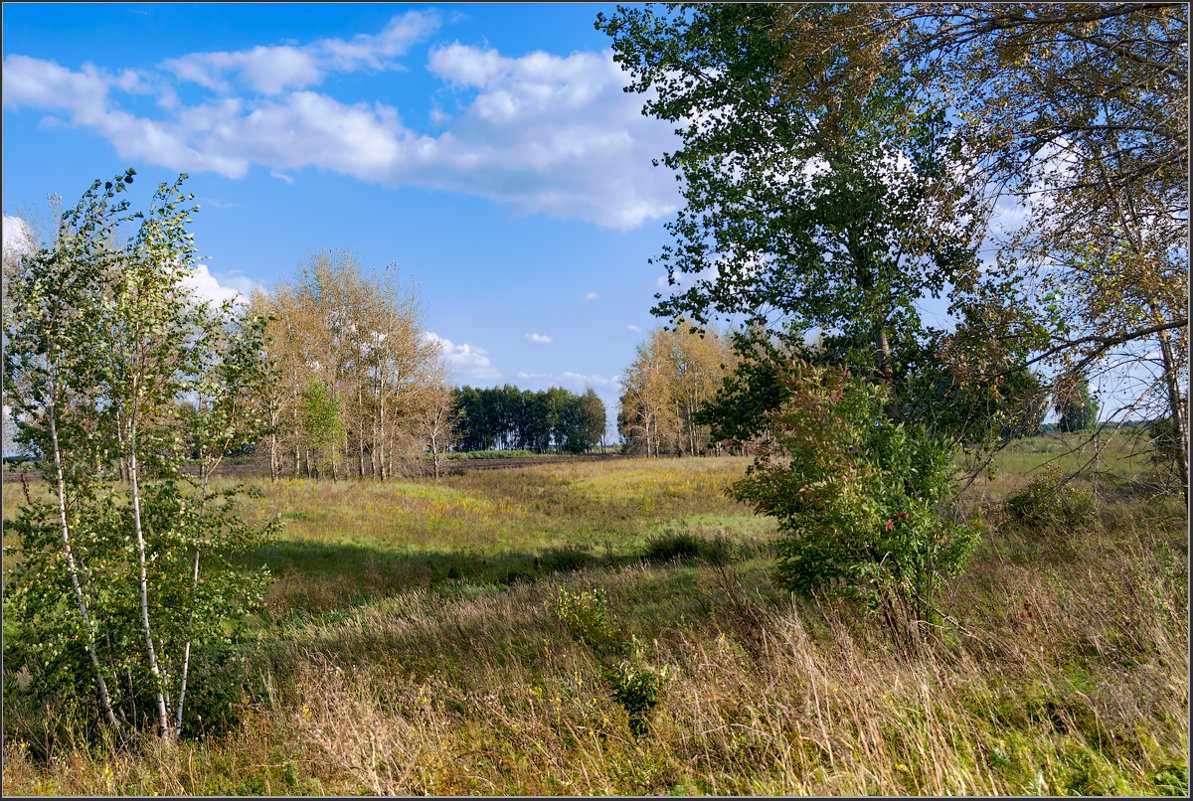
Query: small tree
(103, 343)
(438, 411)
(321, 426)
(861, 500)
(1077, 407)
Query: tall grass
(414, 645)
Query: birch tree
(103, 342)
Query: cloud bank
(539, 133)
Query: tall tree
(789, 217)
(360, 335)
(674, 377)
(1078, 113)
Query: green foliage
(321, 423)
(1172, 779)
(797, 223)
(637, 686)
(130, 587)
(860, 500)
(507, 418)
(682, 545)
(1050, 504)
(632, 680)
(586, 617)
(1078, 408)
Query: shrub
(565, 559)
(586, 617)
(637, 686)
(1050, 504)
(861, 500)
(633, 681)
(673, 545)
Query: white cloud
(221, 286)
(18, 236)
(538, 339)
(576, 382)
(592, 296)
(540, 133)
(468, 363)
(634, 328)
(272, 70)
(216, 287)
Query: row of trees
(508, 418)
(676, 372)
(360, 388)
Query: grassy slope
(411, 645)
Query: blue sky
(486, 150)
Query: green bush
(633, 681)
(565, 559)
(1050, 504)
(861, 500)
(586, 617)
(680, 545)
(637, 686)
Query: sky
(487, 153)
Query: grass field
(416, 641)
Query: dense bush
(633, 682)
(672, 545)
(1050, 504)
(861, 500)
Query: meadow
(453, 637)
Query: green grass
(413, 643)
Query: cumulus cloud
(538, 339)
(217, 287)
(467, 363)
(540, 133)
(221, 286)
(272, 70)
(18, 236)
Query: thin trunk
(373, 449)
(297, 440)
(385, 472)
(205, 472)
(882, 347)
(274, 459)
(1176, 404)
(163, 714)
(72, 567)
(360, 419)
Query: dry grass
(1062, 666)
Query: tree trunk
(1176, 405)
(163, 714)
(71, 566)
(882, 348)
(186, 652)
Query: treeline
(358, 385)
(673, 376)
(506, 418)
